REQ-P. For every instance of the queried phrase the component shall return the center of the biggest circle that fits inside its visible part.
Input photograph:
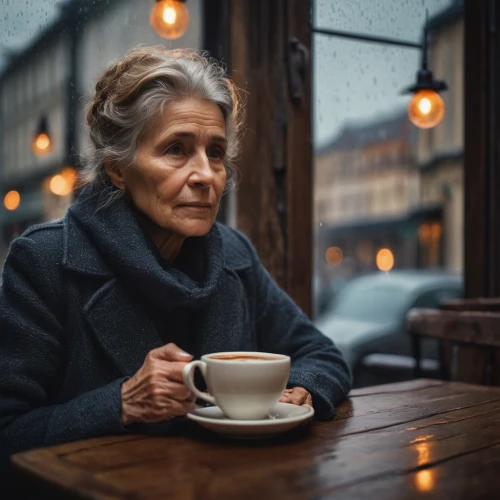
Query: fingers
(173, 371)
(173, 390)
(297, 396)
(157, 391)
(170, 352)
(167, 409)
(154, 401)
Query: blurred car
(324, 295)
(367, 320)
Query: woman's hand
(157, 392)
(297, 396)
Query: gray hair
(130, 97)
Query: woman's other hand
(297, 396)
(157, 392)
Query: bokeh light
(334, 256)
(69, 174)
(12, 200)
(59, 186)
(385, 259)
(41, 144)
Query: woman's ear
(115, 174)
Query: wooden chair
(490, 304)
(468, 333)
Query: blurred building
(440, 149)
(45, 88)
(33, 90)
(367, 193)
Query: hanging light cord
(367, 38)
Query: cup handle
(188, 376)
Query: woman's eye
(175, 150)
(216, 153)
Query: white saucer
(283, 417)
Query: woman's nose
(202, 171)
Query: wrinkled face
(178, 177)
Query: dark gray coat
(72, 329)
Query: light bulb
(169, 15)
(12, 200)
(385, 259)
(169, 18)
(426, 108)
(59, 186)
(70, 176)
(41, 144)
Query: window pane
(388, 195)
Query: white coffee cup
(244, 385)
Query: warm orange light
(426, 109)
(429, 232)
(169, 18)
(424, 479)
(436, 231)
(12, 200)
(70, 176)
(41, 144)
(334, 256)
(385, 259)
(59, 186)
(424, 233)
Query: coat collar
(115, 234)
(81, 256)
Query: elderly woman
(100, 311)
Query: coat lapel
(127, 334)
(123, 328)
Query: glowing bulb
(169, 18)
(169, 15)
(59, 186)
(426, 108)
(41, 144)
(385, 259)
(12, 200)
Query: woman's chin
(194, 228)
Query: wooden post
(481, 159)
(274, 200)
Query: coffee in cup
(244, 385)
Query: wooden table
(419, 439)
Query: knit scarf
(116, 232)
